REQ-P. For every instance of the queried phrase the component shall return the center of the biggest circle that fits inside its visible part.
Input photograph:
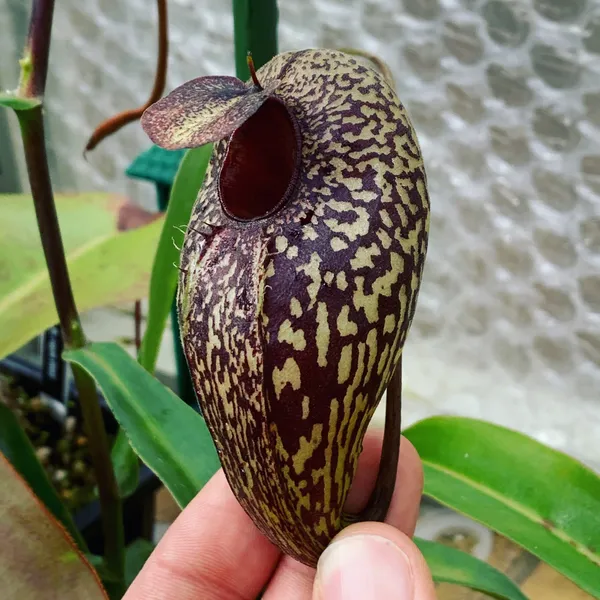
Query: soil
(61, 447)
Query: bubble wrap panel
(505, 96)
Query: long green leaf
(38, 559)
(163, 282)
(541, 499)
(126, 465)
(16, 447)
(168, 435)
(449, 565)
(106, 266)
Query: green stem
(255, 30)
(34, 66)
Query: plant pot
(138, 508)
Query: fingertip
(372, 560)
(406, 500)
(212, 550)
(412, 463)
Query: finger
(404, 507)
(294, 580)
(212, 551)
(291, 581)
(372, 560)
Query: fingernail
(366, 567)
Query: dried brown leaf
(38, 559)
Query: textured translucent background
(505, 96)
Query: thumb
(372, 560)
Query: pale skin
(213, 551)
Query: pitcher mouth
(262, 164)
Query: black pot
(138, 509)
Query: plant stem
(32, 133)
(34, 64)
(34, 68)
(255, 30)
(137, 320)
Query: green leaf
(541, 499)
(255, 30)
(168, 435)
(163, 282)
(136, 555)
(106, 266)
(449, 565)
(37, 556)
(126, 465)
(16, 447)
(11, 100)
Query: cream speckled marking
(323, 334)
(364, 257)
(295, 308)
(295, 338)
(382, 286)
(292, 252)
(288, 374)
(372, 346)
(338, 244)
(389, 324)
(344, 325)
(307, 448)
(340, 281)
(305, 407)
(344, 364)
(311, 269)
(281, 243)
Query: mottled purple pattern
(293, 325)
(202, 110)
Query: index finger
(212, 551)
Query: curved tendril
(115, 123)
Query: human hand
(213, 551)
